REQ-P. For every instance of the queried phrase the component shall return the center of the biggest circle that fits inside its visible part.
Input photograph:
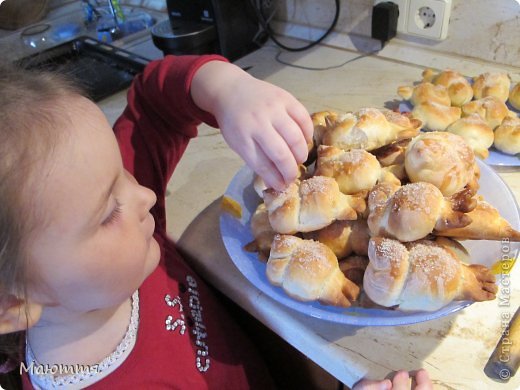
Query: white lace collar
(79, 376)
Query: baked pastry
(393, 153)
(402, 123)
(411, 212)
(368, 129)
(507, 136)
(425, 92)
(492, 84)
(344, 237)
(394, 174)
(307, 270)
(459, 88)
(514, 96)
(353, 267)
(322, 120)
(435, 116)
(486, 224)
(476, 132)
(262, 232)
(259, 185)
(423, 275)
(442, 159)
(309, 205)
(355, 170)
(490, 108)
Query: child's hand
(264, 124)
(400, 381)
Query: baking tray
(99, 68)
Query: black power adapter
(384, 21)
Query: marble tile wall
(484, 29)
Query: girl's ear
(17, 314)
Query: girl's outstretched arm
(264, 124)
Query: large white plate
(236, 234)
(495, 158)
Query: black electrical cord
(270, 33)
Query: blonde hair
(31, 105)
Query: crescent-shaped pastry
(507, 136)
(435, 116)
(492, 84)
(459, 88)
(425, 93)
(412, 212)
(476, 132)
(369, 129)
(423, 275)
(309, 205)
(344, 237)
(355, 170)
(442, 159)
(486, 224)
(307, 270)
(490, 108)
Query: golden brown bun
(321, 121)
(507, 136)
(262, 231)
(355, 170)
(476, 132)
(442, 159)
(308, 271)
(411, 212)
(393, 153)
(394, 174)
(486, 224)
(344, 237)
(422, 275)
(369, 129)
(435, 116)
(425, 92)
(310, 205)
(492, 84)
(514, 96)
(490, 108)
(459, 88)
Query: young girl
(86, 267)
(88, 277)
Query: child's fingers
(294, 139)
(422, 380)
(279, 153)
(368, 384)
(401, 381)
(266, 169)
(302, 118)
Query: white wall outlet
(403, 13)
(429, 18)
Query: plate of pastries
(386, 224)
(484, 110)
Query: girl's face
(96, 245)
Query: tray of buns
(483, 109)
(386, 225)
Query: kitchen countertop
(454, 349)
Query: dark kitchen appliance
(226, 27)
(101, 69)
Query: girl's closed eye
(114, 215)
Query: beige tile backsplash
(484, 29)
